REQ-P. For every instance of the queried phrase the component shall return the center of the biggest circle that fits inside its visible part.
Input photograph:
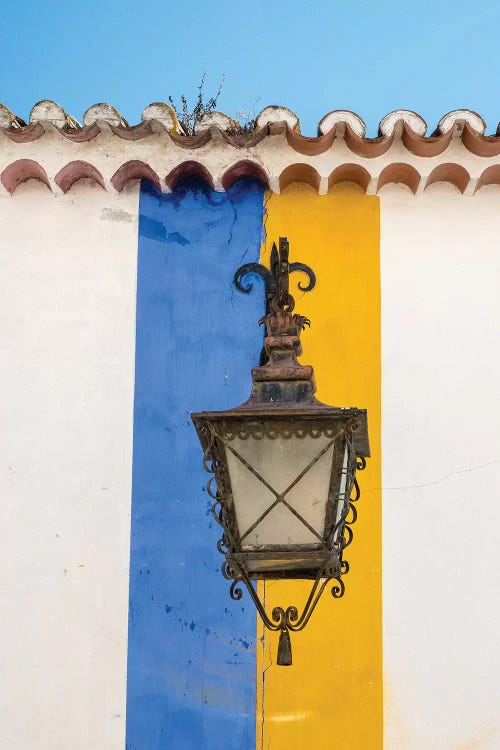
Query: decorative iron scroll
(338, 537)
(286, 430)
(276, 278)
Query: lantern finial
(280, 377)
(276, 278)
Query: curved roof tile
(299, 173)
(21, 171)
(490, 176)
(277, 114)
(345, 117)
(48, 111)
(105, 112)
(350, 173)
(474, 120)
(189, 169)
(215, 119)
(77, 170)
(454, 173)
(55, 149)
(399, 172)
(163, 114)
(8, 119)
(134, 170)
(414, 122)
(244, 168)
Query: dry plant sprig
(188, 118)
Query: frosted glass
(343, 500)
(279, 461)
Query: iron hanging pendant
(284, 649)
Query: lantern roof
(283, 389)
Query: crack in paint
(436, 481)
(264, 672)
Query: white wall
(67, 321)
(440, 255)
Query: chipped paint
(118, 215)
(191, 666)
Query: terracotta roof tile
(55, 149)
(104, 112)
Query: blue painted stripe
(191, 650)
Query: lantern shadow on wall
(283, 466)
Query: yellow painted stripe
(332, 695)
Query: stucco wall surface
(67, 317)
(336, 675)
(191, 653)
(68, 302)
(440, 271)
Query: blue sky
(369, 57)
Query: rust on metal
(282, 404)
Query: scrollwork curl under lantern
(283, 466)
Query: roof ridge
(47, 110)
(57, 150)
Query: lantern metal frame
(282, 404)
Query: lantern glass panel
(343, 491)
(283, 465)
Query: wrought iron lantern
(284, 466)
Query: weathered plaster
(66, 382)
(441, 469)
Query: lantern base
(299, 562)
